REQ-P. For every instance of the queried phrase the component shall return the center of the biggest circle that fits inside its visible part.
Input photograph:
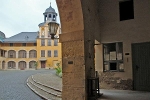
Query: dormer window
(26, 37)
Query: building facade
(122, 52)
(30, 50)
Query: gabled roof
(23, 37)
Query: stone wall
(109, 81)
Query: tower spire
(50, 3)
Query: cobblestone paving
(13, 85)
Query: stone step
(46, 88)
(45, 84)
(42, 91)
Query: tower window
(49, 15)
(54, 18)
(42, 42)
(126, 10)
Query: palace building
(30, 50)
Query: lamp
(53, 26)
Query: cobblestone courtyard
(13, 85)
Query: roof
(2, 35)
(50, 10)
(23, 37)
(42, 24)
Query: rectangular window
(42, 53)
(11, 44)
(55, 53)
(42, 42)
(126, 10)
(23, 44)
(49, 42)
(55, 42)
(49, 53)
(113, 56)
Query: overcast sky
(23, 15)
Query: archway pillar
(73, 62)
(77, 40)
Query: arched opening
(22, 54)
(22, 65)
(32, 54)
(32, 64)
(79, 24)
(11, 54)
(11, 65)
(3, 65)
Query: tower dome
(50, 10)
(50, 14)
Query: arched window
(32, 54)
(45, 17)
(22, 54)
(49, 15)
(32, 64)
(11, 65)
(22, 65)
(54, 18)
(11, 54)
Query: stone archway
(80, 23)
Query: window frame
(42, 42)
(42, 53)
(55, 53)
(49, 43)
(55, 42)
(110, 57)
(126, 10)
(49, 53)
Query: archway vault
(71, 18)
(79, 21)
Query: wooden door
(141, 66)
(42, 64)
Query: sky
(23, 15)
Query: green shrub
(58, 70)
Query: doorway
(141, 66)
(43, 64)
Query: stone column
(73, 63)
(27, 54)
(16, 65)
(16, 54)
(27, 64)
